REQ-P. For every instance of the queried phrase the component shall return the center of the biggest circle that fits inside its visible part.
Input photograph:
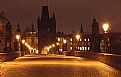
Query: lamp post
(57, 48)
(77, 37)
(23, 46)
(65, 45)
(105, 28)
(18, 40)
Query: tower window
(48, 29)
(70, 39)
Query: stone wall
(109, 59)
(10, 56)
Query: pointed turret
(18, 28)
(32, 28)
(45, 13)
(38, 20)
(81, 30)
(2, 15)
(53, 16)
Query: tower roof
(2, 15)
(18, 29)
(45, 13)
(81, 29)
(32, 28)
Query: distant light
(88, 48)
(85, 39)
(26, 44)
(80, 39)
(80, 48)
(53, 45)
(61, 50)
(70, 48)
(57, 43)
(50, 46)
(64, 41)
(23, 41)
(37, 51)
(71, 39)
(77, 36)
(105, 27)
(58, 39)
(17, 37)
(88, 39)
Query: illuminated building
(31, 37)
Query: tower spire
(32, 28)
(45, 13)
(81, 30)
(18, 28)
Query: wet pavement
(56, 66)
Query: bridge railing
(10, 56)
(110, 59)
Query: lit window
(80, 39)
(71, 43)
(84, 39)
(70, 48)
(71, 39)
(88, 48)
(88, 39)
(61, 50)
(80, 48)
(85, 48)
(58, 39)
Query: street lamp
(18, 39)
(65, 45)
(64, 41)
(23, 41)
(77, 36)
(105, 28)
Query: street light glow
(23, 41)
(64, 41)
(77, 36)
(50, 46)
(53, 45)
(17, 37)
(105, 27)
(57, 44)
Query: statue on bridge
(8, 37)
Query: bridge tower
(46, 29)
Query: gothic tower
(95, 42)
(46, 29)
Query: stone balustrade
(10, 56)
(109, 59)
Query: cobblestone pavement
(56, 66)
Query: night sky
(69, 13)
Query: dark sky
(69, 13)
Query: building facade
(46, 29)
(31, 38)
(3, 22)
